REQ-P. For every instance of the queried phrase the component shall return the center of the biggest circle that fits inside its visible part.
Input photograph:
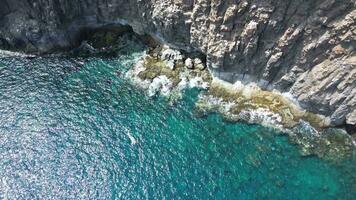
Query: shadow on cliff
(107, 41)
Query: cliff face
(305, 47)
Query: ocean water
(74, 128)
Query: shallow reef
(167, 72)
(249, 103)
(238, 98)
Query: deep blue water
(75, 129)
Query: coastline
(183, 99)
(309, 52)
(159, 74)
(165, 71)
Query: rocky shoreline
(249, 103)
(305, 48)
(167, 72)
(295, 47)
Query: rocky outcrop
(302, 47)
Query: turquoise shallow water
(75, 129)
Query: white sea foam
(160, 84)
(129, 135)
(261, 116)
(4, 54)
(290, 97)
(198, 82)
(183, 83)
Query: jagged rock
(351, 118)
(329, 89)
(282, 43)
(171, 57)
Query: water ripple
(73, 129)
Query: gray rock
(189, 63)
(351, 118)
(303, 47)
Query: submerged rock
(331, 144)
(250, 98)
(249, 103)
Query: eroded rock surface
(306, 48)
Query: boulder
(198, 64)
(189, 63)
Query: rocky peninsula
(305, 49)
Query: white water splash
(129, 135)
(160, 84)
(4, 54)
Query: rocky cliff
(304, 47)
